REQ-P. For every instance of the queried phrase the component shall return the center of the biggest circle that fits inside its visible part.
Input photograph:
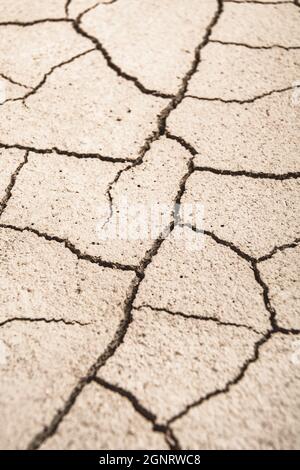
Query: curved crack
(99, 46)
(292, 244)
(263, 340)
(67, 5)
(72, 248)
(246, 101)
(226, 243)
(198, 317)
(141, 410)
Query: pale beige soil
(188, 336)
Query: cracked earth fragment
(27, 54)
(259, 25)
(281, 274)
(67, 197)
(258, 137)
(30, 10)
(102, 419)
(187, 338)
(152, 49)
(167, 382)
(253, 214)
(60, 115)
(43, 280)
(182, 279)
(259, 71)
(260, 412)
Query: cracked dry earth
(144, 344)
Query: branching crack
(44, 79)
(292, 244)
(141, 410)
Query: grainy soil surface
(188, 337)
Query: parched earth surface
(143, 342)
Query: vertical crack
(13, 179)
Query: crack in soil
(283, 247)
(14, 82)
(68, 153)
(164, 429)
(24, 24)
(44, 320)
(13, 178)
(246, 101)
(198, 317)
(250, 174)
(33, 90)
(249, 46)
(72, 248)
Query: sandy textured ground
(143, 342)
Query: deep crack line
(249, 174)
(198, 317)
(276, 249)
(228, 244)
(249, 46)
(67, 6)
(69, 153)
(14, 82)
(99, 46)
(72, 248)
(246, 101)
(43, 320)
(24, 24)
(142, 411)
(13, 178)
